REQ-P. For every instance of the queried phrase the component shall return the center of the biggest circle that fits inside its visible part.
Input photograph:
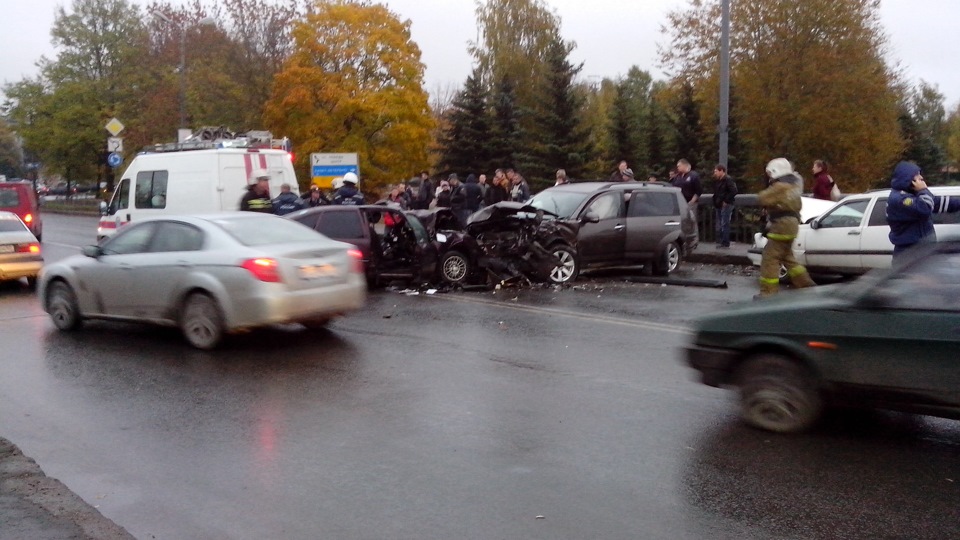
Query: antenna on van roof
(211, 137)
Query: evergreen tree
(562, 142)
(689, 129)
(505, 140)
(465, 143)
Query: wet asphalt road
(451, 416)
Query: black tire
(455, 267)
(62, 307)
(569, 267)
(669, 259)
(318, 323)
(778, 394)
(201, 321)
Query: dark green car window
(932, 286)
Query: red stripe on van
(248, 165)
(263, 162)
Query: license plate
(7, 249)
(318, 271)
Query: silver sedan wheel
(62, 306)
(201, 321)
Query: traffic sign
(114, 127)
(114, 159)
(324, 168)
(114, 144)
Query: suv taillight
(263, 269)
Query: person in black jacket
(315, 198)
(472, 194)
(257, 197)
(497, 192)
(723, 196)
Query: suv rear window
(9, 198)
(341, 224)
(653, 204)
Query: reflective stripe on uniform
(796, 271)
(780, 237)
(770, 281)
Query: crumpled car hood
(505, 210)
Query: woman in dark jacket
(497, 192)
(822, 183)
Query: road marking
(646, 325)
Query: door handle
(671, 223)
(853, 233)
(619, 227)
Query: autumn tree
(11, 154)
(923, 128)
(811, 78)
(354, 83)
(952, 146)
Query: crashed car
(512, 242)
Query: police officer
(781, 201)
(348, 194)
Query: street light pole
(206, 21)
(725, 83)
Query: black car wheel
(62, 307)
(454, 267)
(569, 267)
(317, 323)
(201, 321)
(668, 261)
(778, 394)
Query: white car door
(876, 251)
(833, 241)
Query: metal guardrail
(744, 222)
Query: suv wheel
(777, 394)
(669, 260)
(569, 267)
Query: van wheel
(201, 321)
(454, 267)
(62, 307)
(669, 260)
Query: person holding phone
(910, 209)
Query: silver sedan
(209, 275)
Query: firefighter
(781, 201)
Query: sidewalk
(37, 507)
(709, 253)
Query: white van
(190, 182)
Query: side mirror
(590, 217)
(92, 251)
(103, 208)
(814, 224)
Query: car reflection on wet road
(454, 416)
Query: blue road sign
(333, 170)
(114, 159)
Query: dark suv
(20, 198)
(625, 223)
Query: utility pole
(724, 82)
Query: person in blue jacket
(910, 208)
(348, 194)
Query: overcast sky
(611, 36)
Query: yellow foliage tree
(354, 83)
(810, 78)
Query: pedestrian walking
(781, 201)
(910, 209)
(689, 183)
(723, 197)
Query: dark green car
(890, 340)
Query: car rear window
(343, 225)
(266, 230)
(9, 198)
(10, 223)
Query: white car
(19, 250)
(851, 237)
(209, 275)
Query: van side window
(341, 224)
(151, 190)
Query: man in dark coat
(257, 197)
(286, 202)
(472, 194)
(723, 196)
(910, 208)
(348, 194)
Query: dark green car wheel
(778, 394)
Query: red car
(18, 197)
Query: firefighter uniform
(782, 202)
